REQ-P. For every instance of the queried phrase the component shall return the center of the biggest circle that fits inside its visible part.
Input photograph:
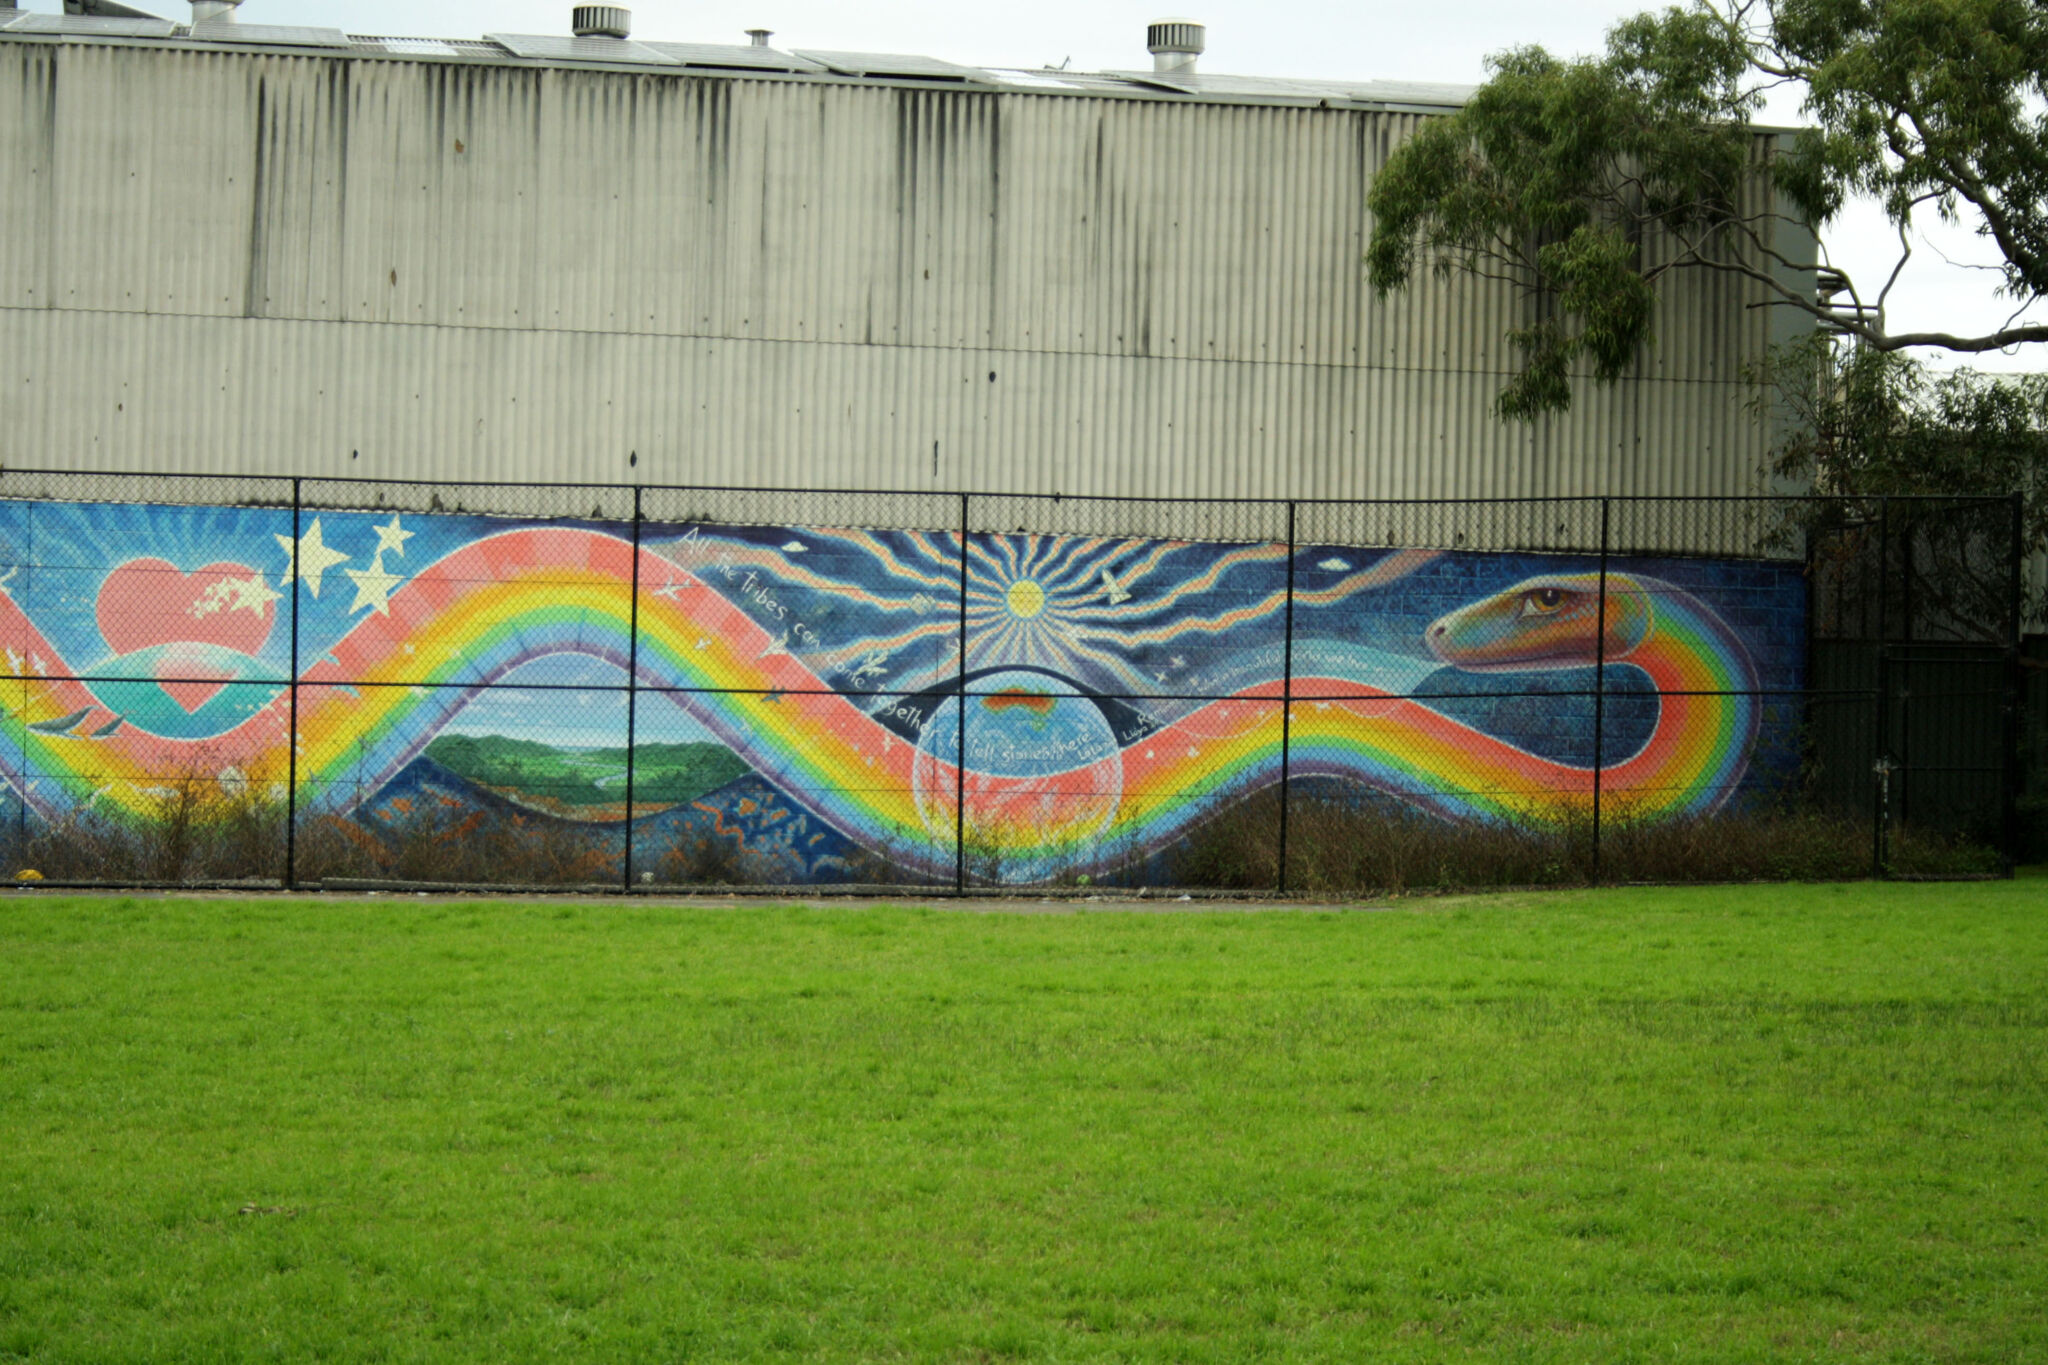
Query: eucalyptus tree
(1557, 172)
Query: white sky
(1443, 40)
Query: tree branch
(1971, 187)
(1992, 341)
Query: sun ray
(949, 563)
(977, 550)
(868, 543)
(1067, 568)
(1153, 604)
(1009, 547)
(1149, 562)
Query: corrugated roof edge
(417, 47)
(25, 22)
(893, 65)
(1373, 96)
(912, 71)
(1244, 90)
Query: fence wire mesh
(337, 682)
(1536, 524)
(1132, 519)
(840, 509)
(540, 501)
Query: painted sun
(1025, 598)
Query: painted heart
(148, 602)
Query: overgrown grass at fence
(201, 830)
(1345, 847)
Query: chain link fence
(321, 682)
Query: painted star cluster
(310, 557)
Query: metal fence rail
(653, 686)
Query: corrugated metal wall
(248, 262)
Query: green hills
(664, 774)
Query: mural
(796, 691)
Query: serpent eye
(1544, 601)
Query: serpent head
(1551, 621)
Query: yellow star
(373, 587)
(391, 538)
(309, 560)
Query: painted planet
(1044, 776)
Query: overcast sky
(1441, 40)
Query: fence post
(2015, 584)
(1881, 766)
(1600, 687)
(1287, 704)
(22, 781)
(1899, 808)
(960, 723)
(1810, 760)
(291, 748)
(1884, 568)
(2015, 686)
(632, 694)
(1880, 794)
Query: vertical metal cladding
(28, 124)
(254, 262)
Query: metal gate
(1947, 745)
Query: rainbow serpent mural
(1117, 692)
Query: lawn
(1728, 1124)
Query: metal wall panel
(388, 267)
(28, 124)
(104, 390)
(155, 182)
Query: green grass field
(1725, 1124)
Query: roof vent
(601, 21)
(760, 36)
(213, 11)
(1174, 44)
